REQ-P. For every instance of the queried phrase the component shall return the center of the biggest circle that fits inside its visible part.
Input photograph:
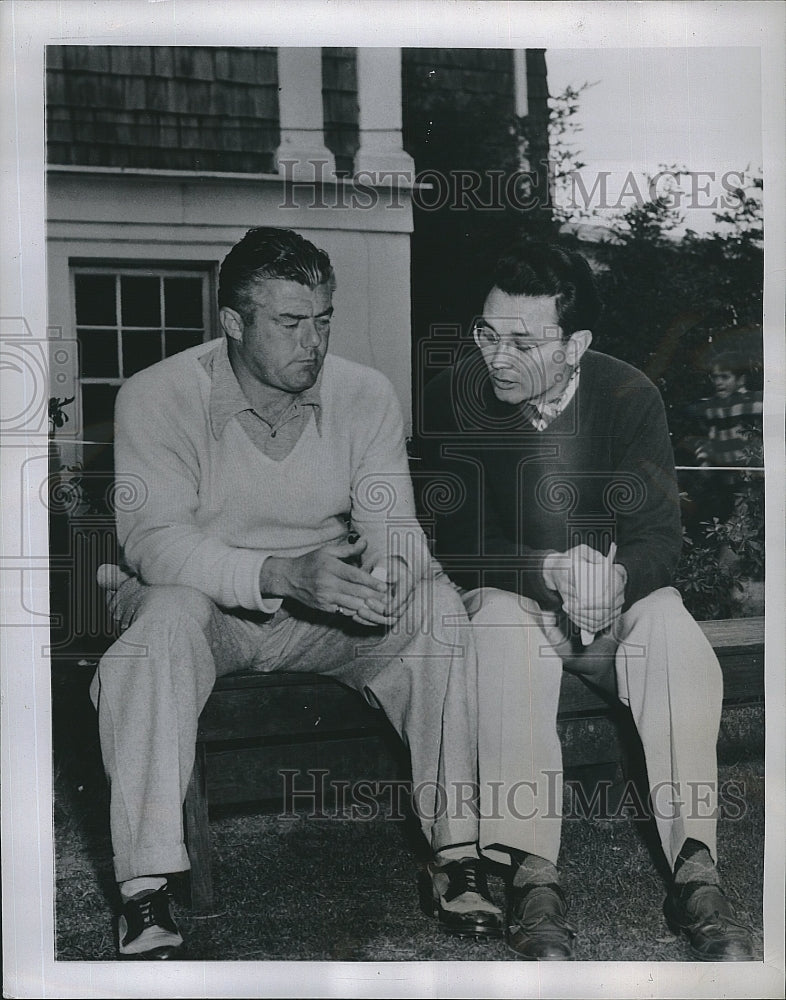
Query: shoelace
(718, 919)
(154, 911)
(147, 912)
(464, 877)
(554, 919)
(473, 880)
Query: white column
(302, 154)
(520, 82)
(379, 118)
(521, 102)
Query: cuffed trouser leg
(519, 753)
(149, 689)
(430, 696)
(668, 674)
(152, 684)
(422, 673)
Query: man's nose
(502, 356)
(309, 335)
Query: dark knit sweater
(499, 495)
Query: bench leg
(198, 837)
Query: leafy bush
(717, 567)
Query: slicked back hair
(538, 269)
(269, 252)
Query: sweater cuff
(247, 584)
(548, 599)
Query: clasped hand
(592, 589)
(328, 579)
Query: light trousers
(153, 682)
(666, 672)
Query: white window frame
(118, 269)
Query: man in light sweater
(255, 453)
(564, 536)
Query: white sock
(460, 852)
(143, 883)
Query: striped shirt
(732, 426)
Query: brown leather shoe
(537, 928)
(706, 917)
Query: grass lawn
(334, 889)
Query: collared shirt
(540, 415)
(274, 439)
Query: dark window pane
(98, 474)
(98, 353)
(141, 348)
(183, 301)
(95, 299)
(179, 340)
(140, 301)
(98, 459)
(98, 410)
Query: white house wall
(114, 216)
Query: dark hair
(269, 252)
(529, 268)
(729, 361)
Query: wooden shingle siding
(457, 106)
(87, 58)
(163, 107)
(340, 105)
(135, 60)
(462, 71)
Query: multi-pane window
(127, 320)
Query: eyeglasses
(486, 336)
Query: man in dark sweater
(558, 518)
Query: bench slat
(726, 633)
(258, 707)
(275, 705)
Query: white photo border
(28, 914)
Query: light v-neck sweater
(203, 511)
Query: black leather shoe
(537, 928)
(706, 917)
(458, 894)
(146, 928)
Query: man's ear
(577, 345)
(231, 323)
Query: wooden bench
(254, 726)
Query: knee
(171, 603)
(141, 658)
(438, 603)
(664, 626)
(499, 607)
(664, 604)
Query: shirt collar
(227, 398)
(541, 415)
